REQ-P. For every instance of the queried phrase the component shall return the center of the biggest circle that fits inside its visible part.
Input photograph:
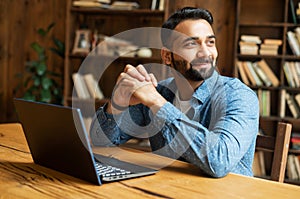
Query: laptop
(58, 140)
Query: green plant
(40, 83)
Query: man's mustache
(201, 60)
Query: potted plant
(40, 83)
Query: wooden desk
(21, 178)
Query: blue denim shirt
(217, 134)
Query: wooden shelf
(295, 151)
(102, 11)
(264, 24)
(254, 19)
(121, 58)
(105, 22)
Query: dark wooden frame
(279, 145)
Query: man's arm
(134, 86)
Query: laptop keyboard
(110, 171)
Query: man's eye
(190, 44)
(211, 42)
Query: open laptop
(57, 139)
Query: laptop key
(107, 171)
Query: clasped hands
(134, 86)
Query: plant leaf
(46, 95)
(46, 83)
(50, 26)
(37, 47)
(42, 32)
(29, 96)
(41, 68)
(36, 81)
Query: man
(198, 116)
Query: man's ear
(166, 56)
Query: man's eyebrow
(190, 38)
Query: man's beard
(193, 74)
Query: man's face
(194, 52)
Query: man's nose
(203, 51)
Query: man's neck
(186, 88)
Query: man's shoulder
(235, 85)
(234, 82)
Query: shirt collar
(201, 93)
(206, 88)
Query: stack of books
(295, 141)
(90, 3)
(270, 46)
(116, 5)
(249, 44)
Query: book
(264, 97)
(266, 81)
(277, 42)
(153, 4)
(297, 67)
(249, 48)
(291, 168)
(297, 166)
(92, 86)
(292, 104)
(258, 166)
(293, 42)
(259, 96)
(249, 75)
(268, 52)
(293, 11)
(282, 103)
(297, 98)
(124, 5)
(269, 46)
(251, 38)
(268, 71)
(88, 3)
(266, 105)
(257, 80)
(80, 87)
(294, 74)
(161, 5)
(295, 141)
(288, 74)
(242, 72)
(297, 33)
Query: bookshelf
(269, 19)
(104, 22)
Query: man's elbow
(218, 171)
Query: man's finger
(140, 68)
(133, 72)
(153, 79)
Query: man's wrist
(156, 103)
(116, 106)
(114, 109)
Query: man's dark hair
(181, 15)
